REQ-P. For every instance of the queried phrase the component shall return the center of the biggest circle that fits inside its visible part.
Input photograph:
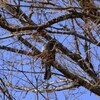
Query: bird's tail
(47, 74)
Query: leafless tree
(26, 26)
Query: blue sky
(89, 96)
(86, 95)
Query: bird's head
(49, 45)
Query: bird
(48, 56)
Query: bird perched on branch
(48, 56)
